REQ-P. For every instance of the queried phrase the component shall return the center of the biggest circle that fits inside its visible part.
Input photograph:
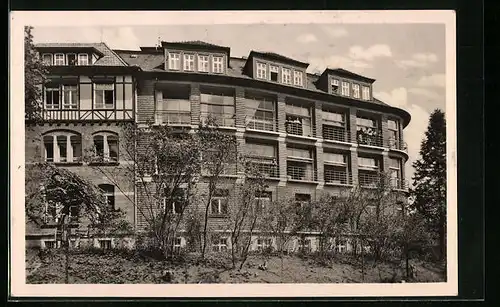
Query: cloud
(335, 32)
(307, 38)
(425, 92)
(435, 80)
(418, 60)
(370, 53)
(318, 64)
(114, 37)
(398, 97)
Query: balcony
(173, 118)
(300, 172)
(296, 127)
(369, 137)
(221, 120)
(263, 167)
(336, 133)
(336, 176)
(399, 184)
(261, 124)
(397, 145)
(368, 179)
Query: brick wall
(240, 107)
(194, 98)
(145, 101)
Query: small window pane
(99, 145)
(62, 145)
(48, 142)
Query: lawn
(119, 267)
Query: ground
(119, 268)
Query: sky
(407, 60)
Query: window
(336, 168)
(299, 170)
(189, 62)
(177, 245)
(335, 158)
(219, 202)
(334, 85)
(341, 245)
(393, 127)
(367, 171)
(70, 96)
(52, 96)
(105, 243)
(177, 202)
(305, 245)
(74, 214)
(106, 147)
(219, 245)
(366, 122)
(175, 107)
(273, 73)
(261, 70)
(334, 127)
(366, 93)
(104, 96)
(367, 162)
(218, 64)
(395, 172)
(355, 91)
(345, 88)
(50, 244)
(262, 200)
(71, 59)
(297, 78)
(47, 59)
(298, 153)
(262, 159)
(286, 76)
(83, 59)
(62, 147)
(108, 190)
(203, 63)
(298, 120)
(261, 113)
(264, 244)
(59, 59)
(174, 61)
(218, 104)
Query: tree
(58, 190)
(165, 167)
(429, 180)
(34, 75)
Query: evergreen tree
(429, 179)
(34, 74)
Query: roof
(279, 57)
(346, 73)
(107, 56)
(198, 43)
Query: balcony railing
(336, 176)
(173, 117)
(222, 120)
(370, 137)
(298, 128)
(397, 144)
(335, 133)
(263, 168)
(299, 172)
(399, 184)
(368, 179)
(261, 124)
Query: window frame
(53, 136)
(51, 59)
(106, 148)
(273, 67)
(52, 89)
(219, 246)
(86, 57)
(365, 92)
(261, 70)
(103, 107)
(109, 193)
(345, 88)
(172, 60)
(200, 65)
(73, 105)
(298, 78)
(215, 64)
(75, 63)
(356, 91)
(63, 59)
(189, 62)
(222, 199)
(286, 75)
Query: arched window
(62, 147)
(106, 146)
(109, 194)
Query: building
(309, 133)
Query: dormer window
(71, 59)
(218, 64)
(335, 85)
(297, 78)
(261, 70)
(345, 88)
(355, 91)
(83, 59)
(286, 76)
(273, 73)
(174, 61)
(59, 59)
(366, 93)
(203, 63)
(189, 62)
(47, 59)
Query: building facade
(310, 134)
